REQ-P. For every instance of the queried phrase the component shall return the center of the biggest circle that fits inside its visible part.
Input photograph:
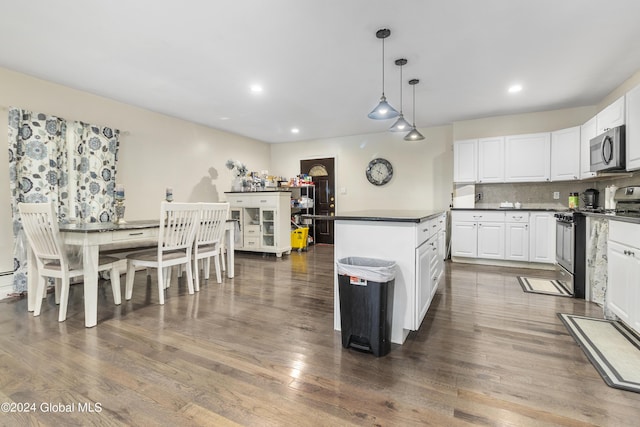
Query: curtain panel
(71, 164)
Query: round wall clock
(379, 171)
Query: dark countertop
(513, 209)
(613, 217)
(266, 190)
(383, 215)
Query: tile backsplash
(540, 194)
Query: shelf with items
(303, 203)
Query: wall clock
(379, 171)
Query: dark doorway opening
(322, 172)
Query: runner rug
(612, 348)
(543, 286)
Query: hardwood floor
(260, 350)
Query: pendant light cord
(414, 106)
(383, 67)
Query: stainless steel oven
(570, 251)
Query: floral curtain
(71, 164)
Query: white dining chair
(53, 259)
(209, 240)
(178, 222)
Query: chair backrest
(178, 222)
(213, 218)
(40, 224)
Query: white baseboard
(6, 285)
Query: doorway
(322, 172)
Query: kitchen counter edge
(381, 216)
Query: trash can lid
(373, 269)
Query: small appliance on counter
(590, 199)
(610, 198)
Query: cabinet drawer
(251, 230)
(237, 200)
(473, 216)
(625, 233)
(252, 242)
(517, 216)
(427, 229)
(142, 234)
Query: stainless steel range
(570, 251)
(628, 202)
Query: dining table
(90, 237)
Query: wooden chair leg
(216, 261)
(56, 287)
(196, 275)
(40, 293)
(206, 267)
(64, 299)
(189, 280)
(161, 283)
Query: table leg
(90, 266)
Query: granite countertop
(266, 190)
(383, 215)
(613, 217)
(513, 209)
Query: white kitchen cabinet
(478, 234)
(588, 131)
(425, 256)
(565, 154)
(464, 238)
(528, 157)
(491, 160)
(542, 237)
(465, 161)
(632, 132)
(623, 270)
(517, 236)
(611, 116)
(264, 219)
(491, 242)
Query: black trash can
(366, 303)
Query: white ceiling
(320, 62)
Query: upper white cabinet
(491, 159)
(528, 157)
(587, 132)
(465, 160)
(565, 154)
(633, 129)
(612, 116)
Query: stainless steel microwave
(608, 150)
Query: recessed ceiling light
(295, 130)
(256, 89)
(515, 88)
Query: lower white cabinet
(518, 235)
(623, 287)
(264, 219)
(478, 234)
(542, 237)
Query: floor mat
(543, 286)
(612, 348)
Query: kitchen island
(415, 240)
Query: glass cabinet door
(236, 214)
(268, 224)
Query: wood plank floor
(260, 350)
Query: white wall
(156, 151)
(423, 170)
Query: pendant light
(414, 135)
(383, 110)
(401, 125)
